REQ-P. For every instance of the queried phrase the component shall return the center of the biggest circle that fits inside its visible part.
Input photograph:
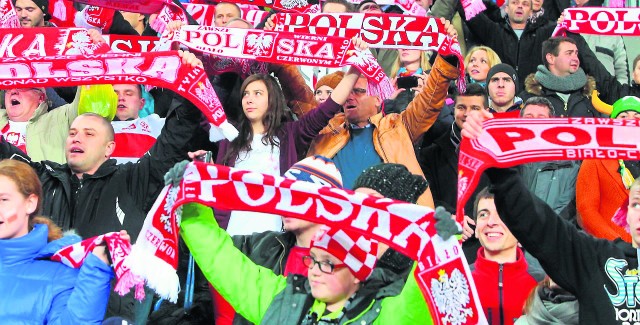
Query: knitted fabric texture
(394, 181)
(354, 250)
(316, 169)
(566, 84)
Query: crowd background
(95, 175)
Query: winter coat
(522, 54)
(395, 134)
(602, 274)
(116, 196)
(47, 130)
(599, 193)
(578, 105)
(266, 298)
(609, 88)
(36, 290)
(294, 137)
(553, 181)
(502, 288)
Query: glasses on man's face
(358, 91)
(325, 267)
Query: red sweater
(507, 301)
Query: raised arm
(423, 110)
(251, 293)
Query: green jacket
(262, 297)
(47, 130)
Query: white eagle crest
(451, 295)
(290, 4)
(362, 59)
(259, 45)
(80, 44)
(204, 91)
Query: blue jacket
(35, 290)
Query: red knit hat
(353, 249)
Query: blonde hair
(424, 64)
(492, 56)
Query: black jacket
(524, 54)
(439, 163)
(578, 105)
(116, 196)
(592, 269)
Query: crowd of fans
(540, 237)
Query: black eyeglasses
(325, 267)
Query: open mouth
(350, 107)
(76, 150)
(15, 102)
(121, 106)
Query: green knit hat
(394, 181)
(627, 103)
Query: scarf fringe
(472, 8)
(128, 281)
(160, 276)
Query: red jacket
(502, 304)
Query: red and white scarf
(43, 41)
(74, 256)
(509, 142)
(284, 48)
(601, 21)
(408, 228)
(378, 30)
(162, 69)
(301, 6)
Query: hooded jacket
(602, 274)
(578, 105)
(36, 290)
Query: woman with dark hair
(270, 142)
(34, 289)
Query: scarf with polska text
(600, 21)
(390, 31)
(162, 69)
(284, 48)
(46, 41)
(507, 142)
(74, 256)
(408, 228)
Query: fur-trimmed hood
(533, 86)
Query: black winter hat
(42, 4)
(394, 181)
(503, 67)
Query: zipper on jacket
(284, 252)
(500, 285)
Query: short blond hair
(492, 56)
